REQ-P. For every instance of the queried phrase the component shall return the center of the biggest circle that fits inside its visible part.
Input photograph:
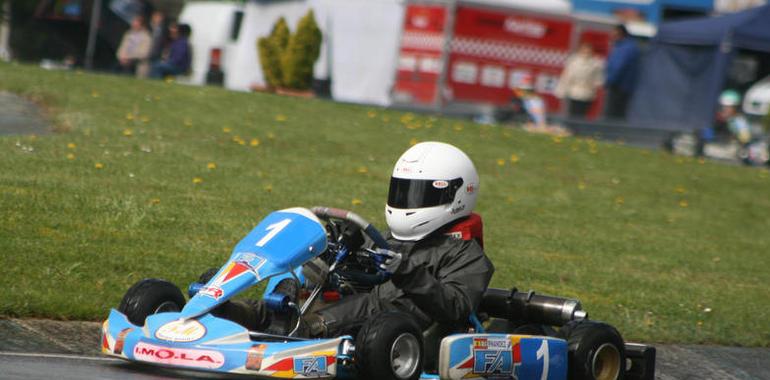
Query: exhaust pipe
(529, 307)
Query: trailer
(471, 53)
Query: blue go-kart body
(193, 338)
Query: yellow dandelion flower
(99, 165)
(169, 79)
(514, 158)
(356, 202)
(619, 201)
(413, 141)
(371, 114)
(227, 129)
(128, 132)
(701, 160)
(406, 118)
(95, 94)
(268, 188)
(145, 119)
(683, 203)
(270, 135)
(156, 98)
(71, 146)
(386, 119)
(280, 118)
(155, 201)
(211, 166)
(70, 156)
(362, 170)
(680, 190)
(556, 139)
(254, 142)
(593, 150)
(500, 162)
(458, 127)
(509, 199)
(187, 122)
(129, 116)
(581, 185)
(197, 180)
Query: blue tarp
(684, 70)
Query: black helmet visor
(419, 193)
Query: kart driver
(434, 276)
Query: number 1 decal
(273, 230)
(542, 352)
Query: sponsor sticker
(118, 349)
(492, 356)
(440, 184)
(254, 357)
(178, 356)
(214, 292)
(311, 367)
(181, 331)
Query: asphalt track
(674, 362)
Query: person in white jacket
(583, 75)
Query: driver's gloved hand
(387, 260)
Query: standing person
(177, 60)
(159, 35)
(582, 76)
(134, 49)
(620, 73)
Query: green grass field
(154, 179)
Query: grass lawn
(154, 179)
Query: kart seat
(468, 228)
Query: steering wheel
(327, 213)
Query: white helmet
(432, 184)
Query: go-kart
(513, 335)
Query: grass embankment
(158, 179)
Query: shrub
(287, 59)
(271, 49)
(301, 53)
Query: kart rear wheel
(389, 347)
(595, 351)
(150, 296)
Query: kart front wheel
(595, 351)
(150, 296)
(389, 347)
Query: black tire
(595, 351)
(150, 296)
(534, 329)
(207, 275)
(382, 339)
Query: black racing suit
(441, 279)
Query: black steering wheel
(367, 228)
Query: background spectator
(159, 34)
(135, 49)
(582, 76)
(177, 60)
(621, 72)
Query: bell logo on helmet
(440, 184)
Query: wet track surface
(38, 349)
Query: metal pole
(96, 13)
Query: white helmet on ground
(432, 184)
